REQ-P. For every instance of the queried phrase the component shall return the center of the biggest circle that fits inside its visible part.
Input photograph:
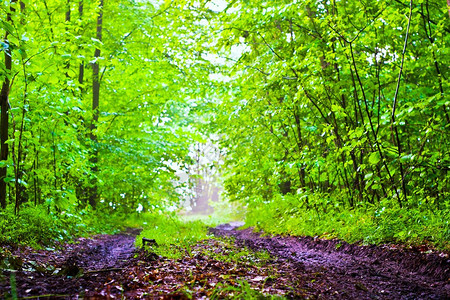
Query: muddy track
(343, 271)
(77, 268)
(106, 266)
(105, 252)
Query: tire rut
(103, 252)
(358, 272)
(76, 269)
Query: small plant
(241, 290)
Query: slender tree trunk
(429, 34)
(93, 197)
(81, 191)
(4, 104)
(68, 12)
(67, 19)
(394, 105)
(81, 69)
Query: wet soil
(75, 270)
(232, 264)
(344, 271)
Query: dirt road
(344, 271)
(230, 264)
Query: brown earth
(347, 271)
(109, 267)
(76, 269)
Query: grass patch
(240, 290)
(229, 253)
(382, 223)
(172, 235)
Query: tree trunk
(4, 104)
(81, 69)
(93, 197)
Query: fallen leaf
(258, 278)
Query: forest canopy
(326, 114)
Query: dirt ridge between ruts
(417, 275)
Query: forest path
(108, 266)
(71, 271)
(358, 272)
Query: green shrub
(38, 226)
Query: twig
(46, 296)
(103, 270)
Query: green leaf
(8, 27)
(96, 41)
(22, 182)
(368, 176)
(10, 141)
(9, 179)
(407, 158)
(374, 158)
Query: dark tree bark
(4, 104)
(93, 197)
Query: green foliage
(378, 224)
(147, 104)
(320, 109)
(317, 125)
(36, 227)
(172, 235)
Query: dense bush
(38, 226)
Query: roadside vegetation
(374, 224)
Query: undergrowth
(224, 212)
(39, 226)
(414, 225)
